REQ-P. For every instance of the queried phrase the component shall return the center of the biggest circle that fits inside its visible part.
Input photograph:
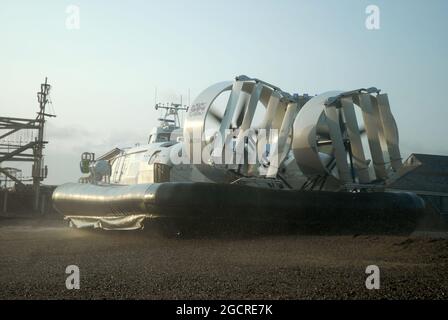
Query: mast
(171, 110)
(38, 171)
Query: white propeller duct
(256, 149)
(327, 137)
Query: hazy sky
(104, 73)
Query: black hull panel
(190, 206)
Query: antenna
(171, 110)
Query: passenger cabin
(165, 134)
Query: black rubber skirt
(210, 207)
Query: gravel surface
(143, 265)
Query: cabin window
(163, 137)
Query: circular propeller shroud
(245, 98)
(327, 139)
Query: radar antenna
(171, 117)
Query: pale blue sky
(104, 74)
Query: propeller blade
(215, 114)
(239, 120)
(239, 111)
(326, 159)
(362, 130)
(341, 122)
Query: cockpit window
(163, 137)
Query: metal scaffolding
(22, 139)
